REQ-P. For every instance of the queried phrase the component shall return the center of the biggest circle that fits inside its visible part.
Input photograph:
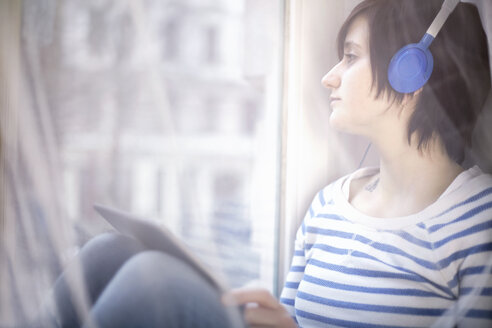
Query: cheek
(358, 103)
(356, 83)
(359, 88)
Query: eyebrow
(350, 45)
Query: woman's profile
(405, 243)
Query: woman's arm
(262, 309)
(475, 288)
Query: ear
(418, 92)
(410, 99)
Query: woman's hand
(261, 308)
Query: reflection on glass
(155, 115)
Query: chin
(340, 121)
(337, 122)
(343, 124)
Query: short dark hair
(450, 102)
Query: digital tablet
(155, 237)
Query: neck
(416, 173)
(412, 177)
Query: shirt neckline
(449, 196)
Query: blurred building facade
(168, 109)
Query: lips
(334, 99)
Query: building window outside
(170, 40)
(145, 131)
(211, 42)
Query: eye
(350, 58)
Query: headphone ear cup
(410, 68)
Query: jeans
(130, 286)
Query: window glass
(167, 109)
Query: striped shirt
(430, 268)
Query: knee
(111, 243)
(108, 239)
(158, 272)
(154, 266)
(167, 290)
(107, 252)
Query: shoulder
(337, 192)
(468, 207)
(476, 195)
(325, 197)
(477, 178)
(471, 187)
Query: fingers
(262, 317)
(265, 317)
(262, 308)
(262, 297)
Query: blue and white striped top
(429, 268)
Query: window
(171, 110)
(165, 123)
(211, 41)
(170, 40)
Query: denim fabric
(130, 286)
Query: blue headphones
(411, 66)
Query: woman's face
(354, 106)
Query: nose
(331, 80)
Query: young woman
(408, 243)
